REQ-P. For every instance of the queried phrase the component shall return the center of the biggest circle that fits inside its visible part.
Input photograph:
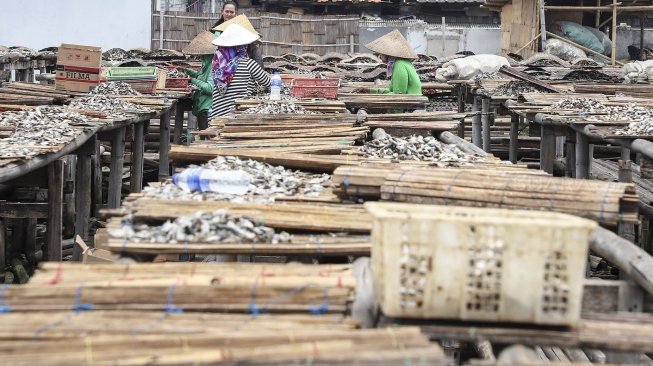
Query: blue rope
(322, 308)
(170, 307)
(252, 307)
(4, 307)
(78, 306)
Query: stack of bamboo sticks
(435, 121)
(72, 314)
(146, 338)
(228, 287)
(384, 101)
(607, 203)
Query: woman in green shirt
(397, 53)
(202, 80)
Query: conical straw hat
(235, 35)
(241, 20)
(201, 44)
(392, 44)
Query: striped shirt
(247, 76)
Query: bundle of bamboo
(226, 287)
(384, 101)
(147, 338)
(435, 121)
(607, 203)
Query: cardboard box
(78, 67)
(91, 255)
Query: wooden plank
(21, 210)
(55, 208)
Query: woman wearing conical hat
(235, 75)
(201, 46)
(394, 50)
(254, 49)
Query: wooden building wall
(519, 25)
(281, 33)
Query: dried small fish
(114, 88)
(113, 107)
(202, 227)
(640, 117)
(115, 54)
(416, 148)
(517, 87)
(284, 107)
(268, 182)
(38, 127)
(175, 74)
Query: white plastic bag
(563, 50)
(641, 70)
(468, 67)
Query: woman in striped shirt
(235, 75)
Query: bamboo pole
(613, 57)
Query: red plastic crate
(177, 83)
(142, 86)
(315, 88)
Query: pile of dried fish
(38, 127)
(584, 104)
(113, 107)
(115, 54)
(517, 87)
(268, 181)
(176, 74)
(488, 76)
(114, 88)
(640, 117)
(417, 148)
(285, 107)
(203, 227)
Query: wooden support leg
(3, 246)
(570, 155)
(476, 123)
(461, 129)
(547, 149)
(583, 158)
(461, 99)
(96, 163)
(117, 163)
(70, 168)
(136, 176)
(83, 199)
(55, 210)
(164, 144)
(179, 123)
(485, 121)
(514, 138)
(30, 241)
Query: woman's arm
(257, 73)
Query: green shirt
(404, 80)
(204, 81)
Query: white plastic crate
(448, 262)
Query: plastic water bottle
(275, 87)
(209, 180)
